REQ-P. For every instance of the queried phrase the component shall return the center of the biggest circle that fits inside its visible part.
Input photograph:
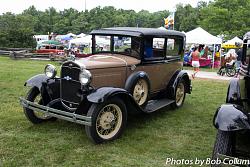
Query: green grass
(149, 139)
(208, 69)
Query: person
(238, 59)
(148, 50)
(195, 61)
(229, 61)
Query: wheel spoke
(108, 121)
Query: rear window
(174, 48)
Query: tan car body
(113, 70)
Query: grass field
(148, 140)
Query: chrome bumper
(72, 117)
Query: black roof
(135, 31)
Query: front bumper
(72, 117)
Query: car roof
(136, 31)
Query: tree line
(230, 18)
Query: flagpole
(173, 20)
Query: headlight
(50, 71)
(85, 77)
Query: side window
(154, 48)
(158, 43)
(174, 48)
(122, 44)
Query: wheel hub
(180, 94)
(107, 120)
(139, 93)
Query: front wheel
(108, 120)
(35, 117)
(223, 145)
(180, 94)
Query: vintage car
(100, 90)
(232, 145)
(50, 49)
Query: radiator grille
(70, 85)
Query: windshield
(125, 45)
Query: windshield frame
(112, 45)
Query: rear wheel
(35, 117)
(140, 92)
(108, 120)
(180, 94)
(223, 145)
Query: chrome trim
(67, 107)
(72, 67)
(72, 117)
(82, 66)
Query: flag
(169, 21)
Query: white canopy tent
(71, 35)
(162, 28)
(81, 35)
(81, 41)
(232, 41)
(41, 37)
(200, 36)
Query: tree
(186, 17)
(230, 18)
(16, 31)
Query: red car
(51, 49)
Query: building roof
(134, 31)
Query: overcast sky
(17, 6)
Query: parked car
(50, 49)
(232, 119)
(100, 90)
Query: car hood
(107, 61)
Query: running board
(154, 105)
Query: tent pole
(220, 54)
(213, 57)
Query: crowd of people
(231, 58)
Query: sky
(17, 6)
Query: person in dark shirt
(238, 60)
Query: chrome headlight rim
(85, 77)
(50, 71)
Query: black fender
(36, 81)
(231, 117)
(103, 93)
(233, 92)
(133, 79)
(176, 78)
(49, 88)
(135, 76)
